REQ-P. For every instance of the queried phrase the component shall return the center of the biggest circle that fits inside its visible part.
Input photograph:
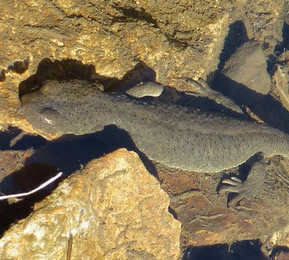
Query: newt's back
(178, 137)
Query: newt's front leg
(250, 188)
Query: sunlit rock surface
(112, 209)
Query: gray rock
(248, 66)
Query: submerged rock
(112, 209)
(248, 66)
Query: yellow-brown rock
(177, 40)
(112, 209)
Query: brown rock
(248, 66)
(11, 161)
(260, 26)
(206, 219)
(282, 256)
(281, 80)
(112, 209)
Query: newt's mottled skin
(187, 139)
(178, 137)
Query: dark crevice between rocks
(173, 212)
(7, 136)
(283, 46)
(141, 73)
(55, 70)
(241, 250)
(26, 179)
(279, 250)
(237, 35)
(26, 142)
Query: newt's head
(52, 108)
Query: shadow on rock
(69, 153)
(243, 250)
(264, 106)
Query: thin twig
(4, 197)
(69, 247)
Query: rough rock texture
(112, 209)
(175, 40)
(11, 161)
(282, 256)
(281, 79)
(248, 66)
(207, 220)
(260, 24)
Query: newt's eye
(49, 116)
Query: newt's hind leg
(249, 188)
(218, 97)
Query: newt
(179, 137)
